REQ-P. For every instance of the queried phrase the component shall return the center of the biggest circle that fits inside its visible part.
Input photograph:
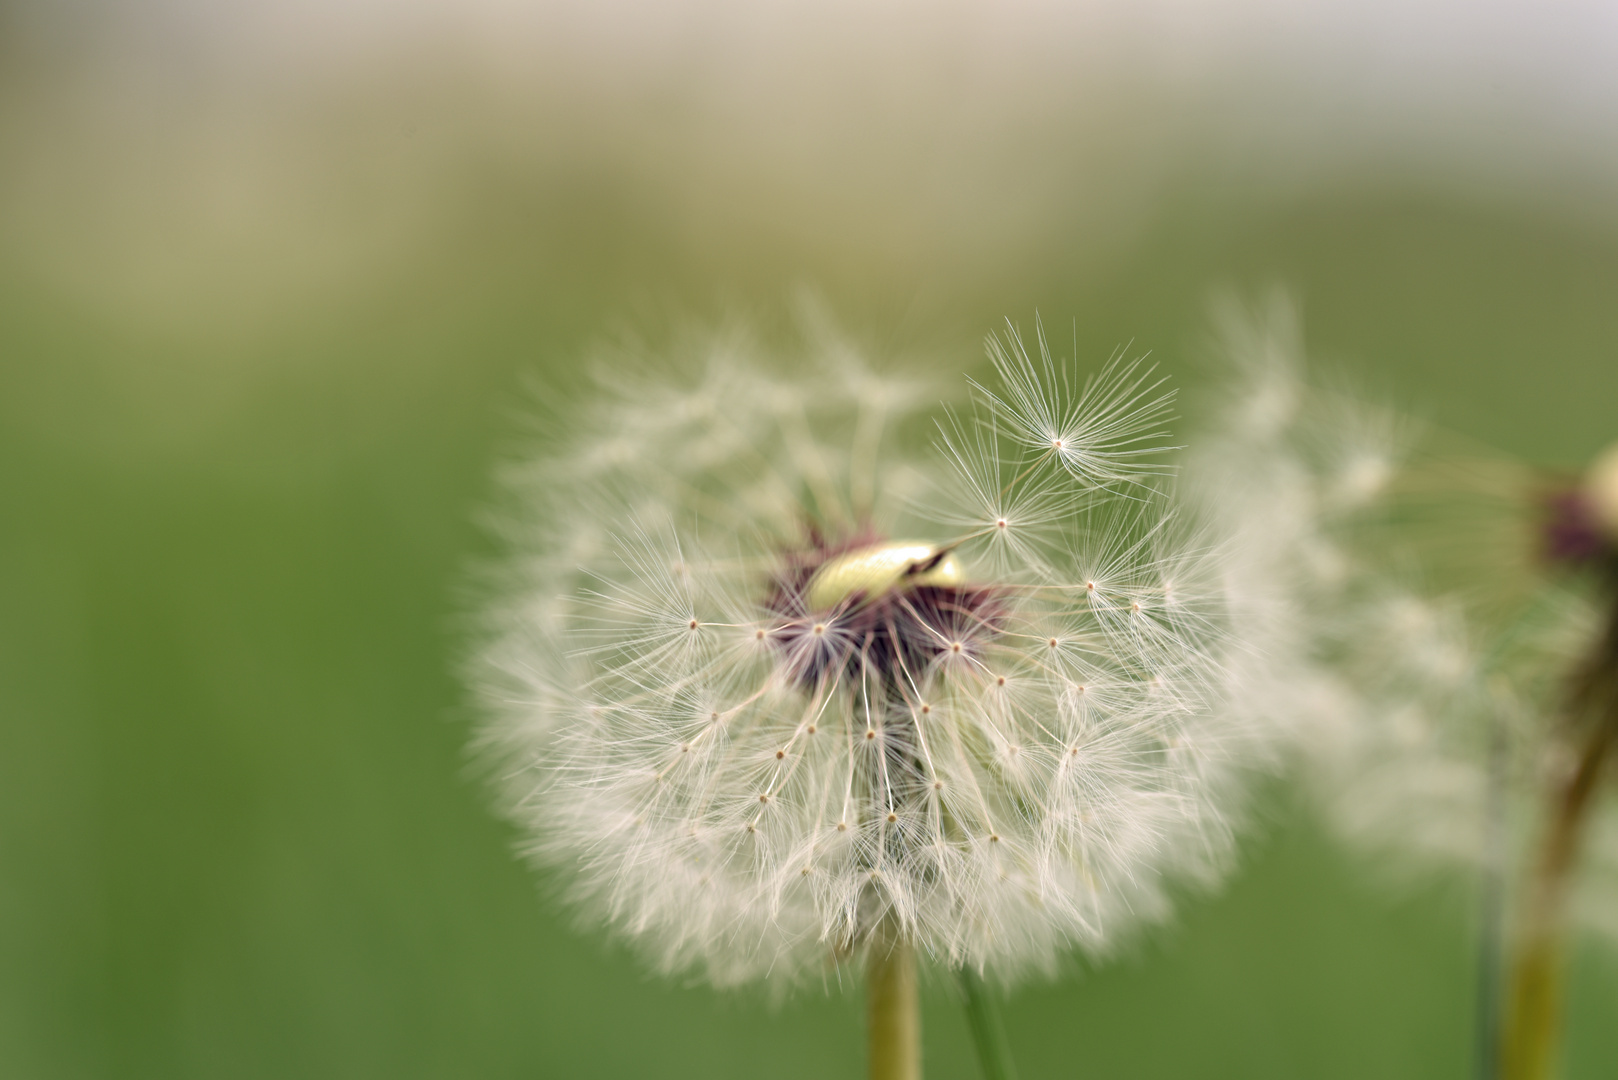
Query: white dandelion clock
(777, 693)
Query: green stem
(1491, 906)
(1491, 996)
(893, 1013)
(988, 1033)
(1534, 1020)
(1533, 1025)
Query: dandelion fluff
(768, 685)
(1407, 638)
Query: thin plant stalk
(1534, 1022)
(988, 1033)
(1491, 914)
(1492, 883)
(893, 1012)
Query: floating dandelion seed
(1429, 630)
(778, 693)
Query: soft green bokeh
(239, 836)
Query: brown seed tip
(892, 818)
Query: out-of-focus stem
(988, 1033)
(1492, 885)
(893, 1012)
(1491, 906)
(1533, 1023)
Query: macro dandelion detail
(778, 692)
(1434, 631)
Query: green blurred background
(276, 287)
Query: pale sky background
(235, 158)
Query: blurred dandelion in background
(1437, 630)
(767, 730)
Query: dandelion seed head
(1404, 638)
(840, 682)
(1374, 680)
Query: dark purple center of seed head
(895, 640)
(1570, 534)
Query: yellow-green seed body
(877, 570)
